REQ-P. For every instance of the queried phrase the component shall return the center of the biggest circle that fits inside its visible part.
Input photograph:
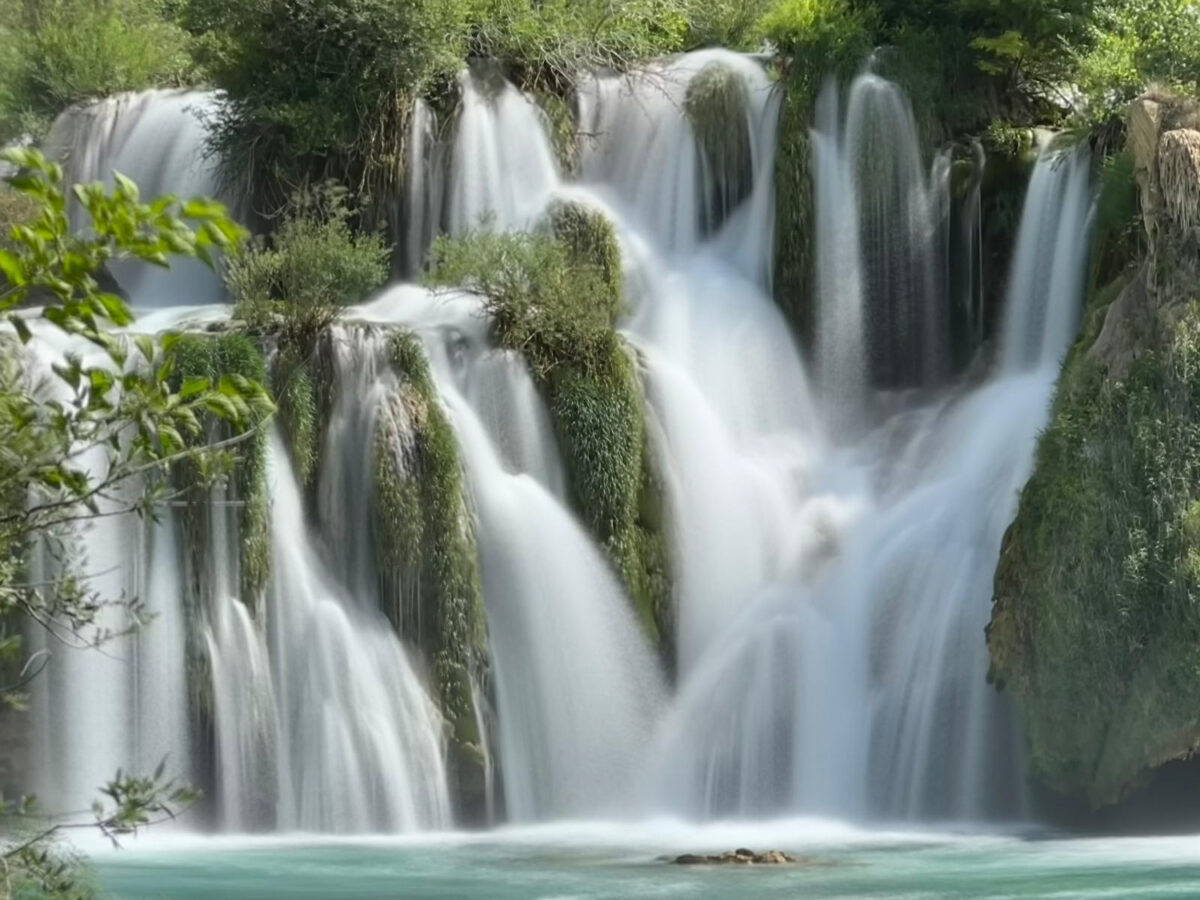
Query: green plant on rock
(815, 39)
(298, 279)
(426, 547)
(543, 306)
(716, 105)
(1095, 628)
(555, 296)
(296, 398)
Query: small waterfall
(577, 688)
(360, 741)
(846, 671)
(1039, 323)
(123, 704)
(157, 138)
(870, 162)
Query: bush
(322, 89)
(546, 305)
(59, 52)
(312, 265)
(1134, 43)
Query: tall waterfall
(834, 539)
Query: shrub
(322, 89)
(312, 265)
(1132, 45)
(546, 306)
(60, 52)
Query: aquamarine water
(596, 862)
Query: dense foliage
(57, 52)
(298, 278)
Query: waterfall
(577, 688)
(157, 138)
(123, 704)
(880, 207)
(360, 740)
(835, 520)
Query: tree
(100, 441)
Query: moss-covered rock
(600, 424)
(428, 563)
(1096, 624)
(562, 127)
(214, 356)
(296, 402)
(808, 55)
(555, 297)
(716, 104)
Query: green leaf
(126, 189)
(193, 387)
(145, 345)
(12, 268)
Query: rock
(1117, 346)
(739, 857)
(1179, 176)
(777, 857)
(1145, 126)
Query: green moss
(600, 425)
(591, 240)
(296, 400)
(563, 129)
(428, 559)
(211, 356)
(546, 302)
(715, 105)
(815, 41)
(555, 297)
(1096, 627)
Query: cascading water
(157, 138)
(833, 542)
(577, 688)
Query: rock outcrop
(1096, 624)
